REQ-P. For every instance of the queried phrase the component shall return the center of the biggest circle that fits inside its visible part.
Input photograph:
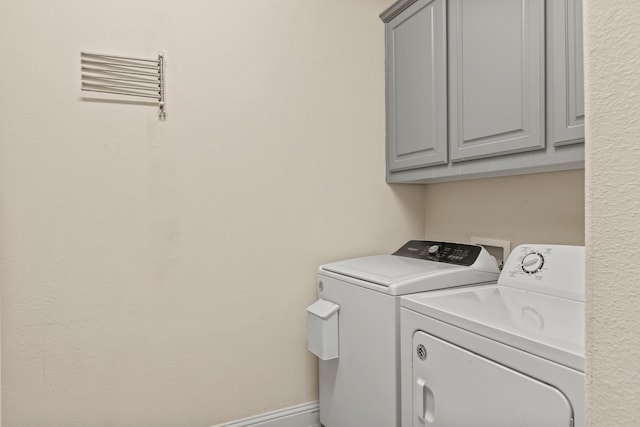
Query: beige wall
(612, 77)
(127, 297)
(536, 208)
(157, 273)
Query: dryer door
(454, 387)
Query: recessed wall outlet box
(500, 249)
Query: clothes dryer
(501, 355)
(354, 326)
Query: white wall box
(483, 88)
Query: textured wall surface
(612, 58)
(157, 273)
(536, 208)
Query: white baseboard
(304, 415)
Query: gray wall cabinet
(565, 75)
(503, 77)
(496, 71)
(417, 86)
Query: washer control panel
(451, 253)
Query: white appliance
(502, 355)
(354, 327)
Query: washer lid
(547, 326)
(387, 270)
(418, 266)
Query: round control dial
(433, 249)
(532, 262)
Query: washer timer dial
(532, 262)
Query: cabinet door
(565, 71)
(417, 86)
(496, 77)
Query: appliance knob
(532, 262)
(433, 249)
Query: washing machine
(502, 355)
(354, 326)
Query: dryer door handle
(424, 402)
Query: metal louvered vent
(125, 76)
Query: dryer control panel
(549, 269)
(451, 253)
